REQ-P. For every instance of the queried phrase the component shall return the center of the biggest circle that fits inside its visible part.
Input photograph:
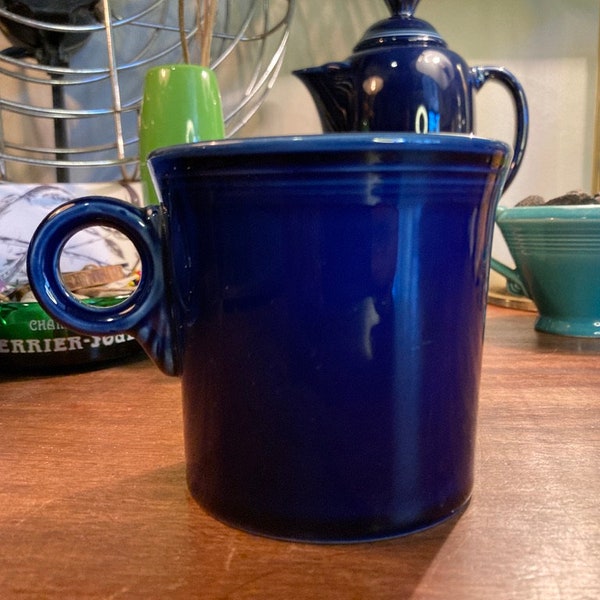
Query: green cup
(556, 250)
(181, 105)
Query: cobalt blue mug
(323, 301)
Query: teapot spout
(333, 91)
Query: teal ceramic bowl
(556, 250)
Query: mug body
(329, 294)
(556, 250)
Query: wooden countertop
(93, 501)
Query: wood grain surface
(93, 501)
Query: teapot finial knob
(403, 8)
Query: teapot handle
(506, 78)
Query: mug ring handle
(47, 245)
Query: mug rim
(468, 144)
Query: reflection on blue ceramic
(403, 77)
(323, 300)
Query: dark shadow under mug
(323, 300)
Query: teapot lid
(399, 29)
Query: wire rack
(75, 118)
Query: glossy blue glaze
(327, 297)
(428, 91)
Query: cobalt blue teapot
(402, 77)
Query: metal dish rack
(77, 121)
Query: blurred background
(552, 47)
